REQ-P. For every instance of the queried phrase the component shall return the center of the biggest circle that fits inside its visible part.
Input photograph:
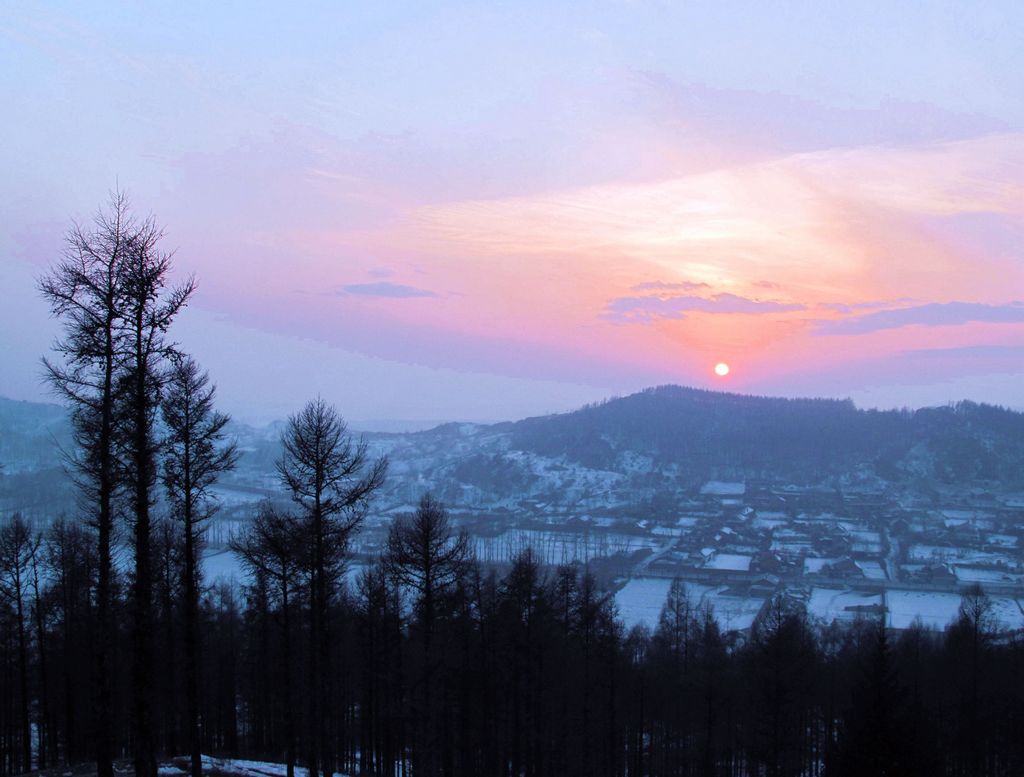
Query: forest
(436, 666)
(116, 650)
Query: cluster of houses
(765, 532)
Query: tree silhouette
(332, 480)
(194, 458)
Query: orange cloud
(814, 229)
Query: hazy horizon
(408, 424)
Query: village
(846, 554)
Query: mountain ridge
(657, 446)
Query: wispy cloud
(970, 352)
(853, 307)
(646, 309)
(386, 289)
(931, 314)
(676, 286)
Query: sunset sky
(485, 211)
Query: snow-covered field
(942, 553)
(222, 564)
(734, 613)
(554, 547)
(239, 767)
(1008, 612)
(830, 604)
(642, 598)
(936, 609)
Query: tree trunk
(142, 686)
(192, 644)
(47, 734)
(26, 725)
(104, 530)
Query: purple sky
(480, 212)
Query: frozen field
(554, 547)
(734, 613)
(642, 598)
(224, 566)
(238, 768)
(830, 604)
(935, 609)
(221, 564)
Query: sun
(721, 369)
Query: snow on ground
(232, 497)
(243, 768)
(729, 561)
(813, 566)
(935, 608)
(966, 574)
(1002, 540)
(642, 598)
(222, 564)
(960, 555)
(763, 522)
(831, 604)
(1008, 612)
(225, 566)
(872, 569)
(669, 531)
(791, 547)
(976, 517)
(723, 488)
(734, 613)
(560, 547)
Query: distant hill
(661, 444)
(626, 454)
(31, 434)
(717, 433)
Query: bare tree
(84, 292)
(18, 546)
(70, 562)
(146, 310)
(332, 479)
(194, 457)
(426, 556)
(47, 737)
(271, 548)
